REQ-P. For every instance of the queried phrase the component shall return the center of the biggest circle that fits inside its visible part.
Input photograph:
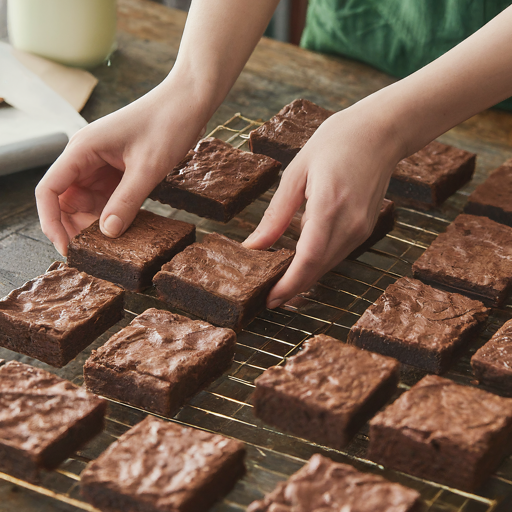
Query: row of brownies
(325, 393)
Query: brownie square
(427, 178)
(441, 431)
(285, 134)
(43, 419)
(418, 325)
(160, 360)
(492, 363)
(327, 486)
(55, 316)
(385, 223)
(493, 198)
(221, 281)
(216, 180)
(473, 257)
(326, 392)
(158, 466)
(136, 256)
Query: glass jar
(77, 33)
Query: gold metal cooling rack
(332, 306)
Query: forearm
(471, 77)
(219, 38)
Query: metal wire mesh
(332, 306)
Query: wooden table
(277, 73)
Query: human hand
(109, 167)
(342, 173)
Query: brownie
(492, 363)
(160, 360)
(55, 316)
(473, 257)
(327, 486)
(427, 178)
(158, 466)
(442, 431)
(216, 180)
(136, 256)
(418, 325)
(493, 198)
(385, 223)
(43, 419)
(326, 392)
(285, 134)
(221, 281)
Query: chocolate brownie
(442, 431)
(216, 180)
(493, 198)
(385, 223)
(160, 466)
(427, 178)
(43, 419)
(492, 363)
(326, 392)
(221, 281)
(160, 360)
(418, 325)
(56, 315)
(473, 257)
(136, 256)
(285, 134)
(327, 486)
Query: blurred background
(286, 25)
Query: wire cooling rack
(332, 306)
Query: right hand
(110, 167)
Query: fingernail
(113, 226)
(274, 303)
(251, 237)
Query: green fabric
(395, 36)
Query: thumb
(286, 201)
(125, 202)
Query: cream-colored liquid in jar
(74, 32)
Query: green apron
(395, 36)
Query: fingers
(125, 202)
(329, 234)
(66, 169)
(286, 201)
(306, 267)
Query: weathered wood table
(277, 73)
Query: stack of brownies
(437, 430)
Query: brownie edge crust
(442, 431)
(43, 419)
(472, 257)
(160, 466)
(492, 363)
(221, 281)
(334, 487)
(136, 256)
(55, 316)
(160, 360)
(326, 392)
(493, 198)
(418, 325)
(427, 178)
(285, 134)
(216, 180)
